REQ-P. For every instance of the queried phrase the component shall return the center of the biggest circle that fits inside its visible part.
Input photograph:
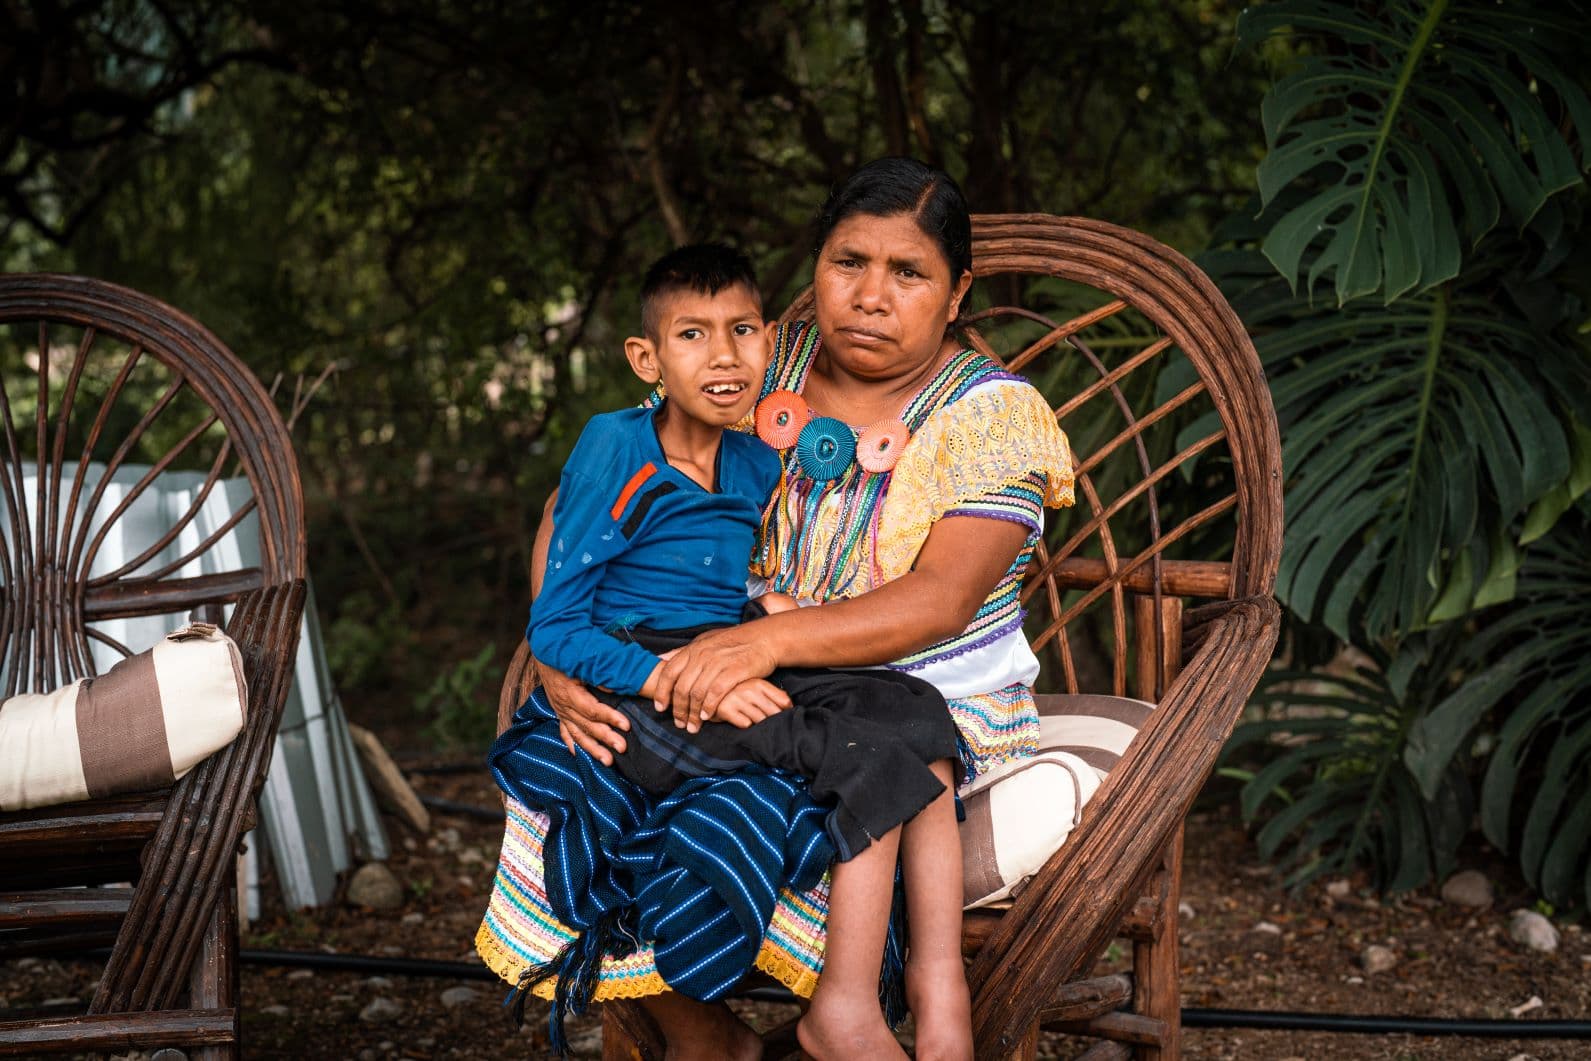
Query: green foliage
(1334, 788)
(461, 701)
(1535, 799)
(361, 640)
(1414, 439)
(1412, 127)
(1379, 764)
(1434, 436)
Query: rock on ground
(459, 996)
(380, 1011)
(1530, 929)
(1468, 888)
(1377, 959)
(374, 885)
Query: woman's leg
(845, 1020)
(936, 980)
(701, 1031)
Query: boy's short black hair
(705, 268)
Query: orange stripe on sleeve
(647, 471)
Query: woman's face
(884, 296)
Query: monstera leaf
(1371, 765)
(1411, 127)
(1325, 777)
(1414, 438)
(1536, 794)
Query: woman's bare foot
(840, 1029)
(941, 1005)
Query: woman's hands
(700, 675)
(583, 720)
(587, 723)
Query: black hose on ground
(1379, 1025)
(467, 810)
(1270, 1020)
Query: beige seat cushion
(1019, 813)
(142, 725)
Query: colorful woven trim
(1000, 613)
(997, 727)
(520, 930)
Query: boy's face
(710, 352)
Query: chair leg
(1028, 1048)
(629, 1033)
(616, 1046)
(1156, 969)
(214, 983)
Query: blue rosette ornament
(825, 448)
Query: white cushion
(142, 725)
(1021, 812)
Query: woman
(916, 554)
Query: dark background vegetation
(439, 212)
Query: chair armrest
(1067, 914)
(266, 624)
(188, 865)
(517, 684)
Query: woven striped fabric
(694, 875)
(523, 930)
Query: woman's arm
(583, 720)
(962, 560)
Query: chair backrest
(108, 396)
(1160, 391)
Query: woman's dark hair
(891, 186)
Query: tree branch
(667, 201)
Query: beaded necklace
(787, 555)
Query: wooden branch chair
(1179, 497)
(94, 377)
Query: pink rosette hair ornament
(879, 446)
(780, 418)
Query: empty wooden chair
(102, 392)
(1179, 500)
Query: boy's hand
(745, 705)
(774, 603)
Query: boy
(655, 520)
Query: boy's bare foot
(840, 1029)
(941, 1005)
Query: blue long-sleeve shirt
(636, 542)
